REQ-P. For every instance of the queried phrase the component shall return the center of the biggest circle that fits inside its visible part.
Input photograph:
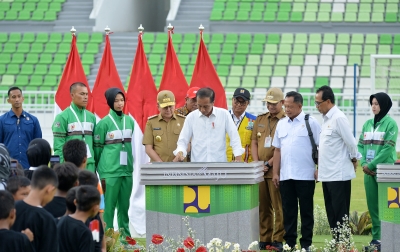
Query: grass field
(358, 201)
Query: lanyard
(373, 133)
(269, 125)
(238, 122)
(84, 120)
(122, 131)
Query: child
(9, 239)
(73, 234)
(67, 174)
(19, 187)
(70, 201)
(89, 178)
(30, 212)
(38, 153)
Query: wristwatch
(267, 164)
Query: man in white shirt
(293, 170)
(337, 159)
(206, 129)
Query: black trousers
(296, 193)
(337, 201)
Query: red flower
(180, 250)
(189, 243)
(136, 250)
(130, 241)
(157, 239)
(201, 249)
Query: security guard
(244, 122)
(262, 150)
(162, 130)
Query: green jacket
(108, 145)
(382, 140)
(66, 127)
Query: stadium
(353, 46)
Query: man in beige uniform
(262, 150)
(162, 130)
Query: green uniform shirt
(66, 127)
(379, 141)
(108, 146)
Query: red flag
(204, 75)
(73, 72)
(173, 78)
(142, 103)
(107, 77)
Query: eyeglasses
(237, 102)
(319, 103)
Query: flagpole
(170, 30)
(201, 29)
(73, 31)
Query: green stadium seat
(42, 6)
(366, 60)
(9, 48)
(248, 82)
(2, 68)
(337, 17)
(384, 49)
(357, 39)
(50, 48)
(280, 71)
(310, 17)
(282, 60)
(371, 39)
(313, 49)
(64, 48)
(11, 15)
(245, 38)
(242, 15)
(228, 48)
(50, 15)
(385, 39)
(257, 39)
(22, 80)
(12, 69)
(271, 49)
(36, 80)
(229, 15)
(239, 60)
(300, 48)
(46, 58)
(330, 38)
(283, 17)
(232, 6)
(217, 38)
(15, 37)
(256, 16)
(342, 50)
(298, 7)
(93, 48)
(50, 81)
(285, 49)
(225, 59)
(155, 59)
(184, 59)
(354, 59)
(158, 49)
(214, 48)
(297, 60)
(18, 58)
(287, 38)
(396, 49)
(27, 69)
(190, 38)
(364, 17)
(315, 38)
(37, 16)
(216, 15)
(80, 47)
(272, 7)
(269, 16)
(251, 71)
(350, 17)
(7, 80)
(256, 59)
(365, 71)
(233, 82)
(2, 15)
(343, 38)
(55, 6)
(365, 8)
(189, 70)
(97, 37)
(273, 38)
(86, 69)
(377, 17)
(263, 82)
(161, 38)
(186, 49)
(265, 71)
(32, 58)
(177, 38)
(223, 70)
(257, 49)
(231, 39)
(301, 38)
(296, 17)
(23, 48)
(369, 49)
(355, 50)
(3, 37)
(268, 60)
(311, 7)
(243, 49)
(4, 6)
(323, 17)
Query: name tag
(123, 158)
(156, 128)
(88, 154)
(370, 155)
(268, 142)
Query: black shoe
(374, 245)
(277, 245)
(263, 245)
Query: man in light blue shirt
(293, 170)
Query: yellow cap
(274, 95)
(166, 98)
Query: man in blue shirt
(18, 128)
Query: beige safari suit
(163, 136)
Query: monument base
(390, 233)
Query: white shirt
(337, 147)
(237, 120)
(291, 137)
(208, 136)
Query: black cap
(242, 93)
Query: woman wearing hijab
(114, 160)
(38, 153)
(377, 145)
